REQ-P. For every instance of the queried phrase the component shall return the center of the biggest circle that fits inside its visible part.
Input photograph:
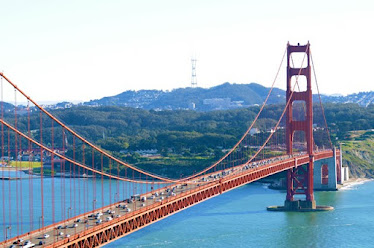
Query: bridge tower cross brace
(294, 184)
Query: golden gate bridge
(83, 196)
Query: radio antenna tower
(193, 77)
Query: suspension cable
(43, 147)
(81, 138)
(320, 100)
(284, 111)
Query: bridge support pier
(327, 173)
(299, 206)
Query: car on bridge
(28, 244)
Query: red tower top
(306, 124)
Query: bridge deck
(157, 205)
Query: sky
(78, 50)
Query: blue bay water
(71, 197)
(239, 219)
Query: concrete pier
(299, 206)
(325, 173)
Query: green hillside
(358, 153)
(189, 140)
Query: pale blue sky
(81, 50)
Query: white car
(45, 236)
(28, 244)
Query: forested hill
(189, 140)
(221, 97)
(186, 140)
(225, 96)
(117, 128)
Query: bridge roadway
(122, 218)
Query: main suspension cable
(320, 100)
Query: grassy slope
(358, 153)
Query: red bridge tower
(299, 180)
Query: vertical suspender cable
(84, 185)
(20, 188)
(94, 181)
(110, 182)
(70, 173)
(62, 165)
(41, 171)
(134, 188)
(127, 191)
(31, 200)
(9, 185)
(117, 181)
(75, 177)
(102, 181)
(62, 192)
(2, 156)
(17, 158)
(52, 173)
(79, 189)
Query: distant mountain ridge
(221, 97)
(224, 96)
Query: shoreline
(274, 185)
(353, 182)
